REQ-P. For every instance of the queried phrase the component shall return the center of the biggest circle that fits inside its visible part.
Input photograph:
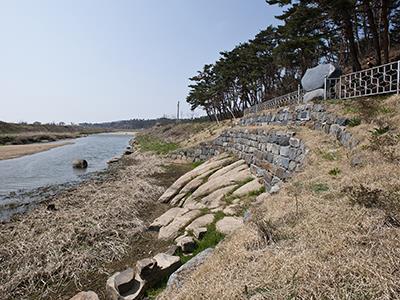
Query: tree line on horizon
(349, 33)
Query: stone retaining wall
(273, 155)
(300, 115)
(202, 152)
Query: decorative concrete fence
(380, 80)
(285, 100)
(384, 79)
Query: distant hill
(14, 128)
(140, 123)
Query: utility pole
(177, 113)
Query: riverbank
(21, 134)
(86, 232)
(15, 151)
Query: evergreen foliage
(353, 34)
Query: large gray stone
(314, 78)
(167, 218)
(171, 230)
(317, 94)
(249, 187)
(226, 169)
(177, 279)
(215, 199)
(203, 221)
(235, 175)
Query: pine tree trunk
(348, 31)
(374, 31)
(385, 37)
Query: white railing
(288, 99)
(380, 80)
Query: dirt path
(14, 151)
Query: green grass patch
(335, 172)
(257, 193)
(149, 143)
(229, 198)
(210, 239)
(197, 163)
(204, 211)
(350, 109)
(380, 130)
(243, 182)
(329, 155)
(353, 122)
(153, 292)
(320, 187)
(384, 110)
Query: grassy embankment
(332, 232)
(165, 139)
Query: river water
(54, 167)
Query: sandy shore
(14, 151)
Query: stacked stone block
(311, 114)
(273, 155)
(200, 153)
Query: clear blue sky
(103, 60)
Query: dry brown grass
(188, 134)
(42, 251)
(312, 240)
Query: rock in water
(314, 78)
(80, 164)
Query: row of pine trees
(353, 34)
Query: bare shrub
(371, 197)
